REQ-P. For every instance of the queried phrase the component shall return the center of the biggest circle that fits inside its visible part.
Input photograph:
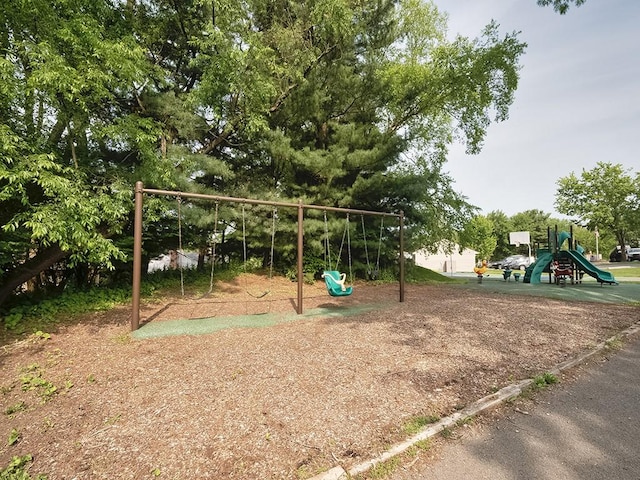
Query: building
(442, 261)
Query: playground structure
(335, 284)
(564, 265)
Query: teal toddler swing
(333, 279)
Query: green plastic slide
(543, 260)
(600, 275)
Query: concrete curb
(486, 403)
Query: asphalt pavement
(586, 428)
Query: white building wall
(442, 261)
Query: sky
(577, 102)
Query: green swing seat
(335, 283)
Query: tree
(561, 6)
(67, 70)
(607, 197)
(533, 221)
(501, 228)
(478, 235)
(344, 104)
(336, 102)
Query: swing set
(334, 279)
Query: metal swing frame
(140, 191)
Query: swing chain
(377, 270)
(366, 250)
(273, 240)
(327, 249)
(349, 250)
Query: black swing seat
(334, 281)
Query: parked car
(517, 262)
(498, 263)
(616, 254)
(633, 254)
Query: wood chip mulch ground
(286, 401)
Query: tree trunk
(33, 266)
(622, 240)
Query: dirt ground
(285, 401)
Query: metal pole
(401, 256)
(252, 201)
(137, 257)
(300, 254)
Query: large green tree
(337, 102)
(69, 70)
(606, 197)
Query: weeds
(416, 424)
(383, 469)
(614, 343)
(14, 437)
(447, 433)
(421, 445)
(465, 421)
(32, 380)
(544, 380)
(13, 409)
(539, 382)
(18, 470)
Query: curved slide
(541, 263)
(600, 275)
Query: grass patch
(416, 424)
(381, 470)
(624, 271)
(421, 445)
(420, 275)
(540, 382)
(36, 314)
(614, 343)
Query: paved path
(586, 429)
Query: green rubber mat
(587, 291)
(201, 326)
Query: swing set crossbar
(253, 201)
(140, 191)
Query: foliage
(336, 102)
(18, 469)
(501, 228)
(478, 235)
(42, 312)
(544, 380)
(606, 197)
(32, 379)
(560, 6)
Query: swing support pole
(137, 257)
(300, 255)
(137, 237)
